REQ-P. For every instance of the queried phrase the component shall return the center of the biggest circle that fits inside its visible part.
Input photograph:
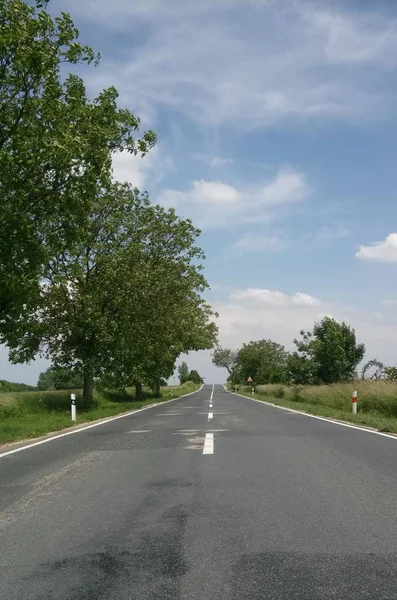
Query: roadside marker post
(74, 413)
(354, 403)
(249, 381)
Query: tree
(329, 354)
(379, 372)
(55, 146)
(58, 378)
(226, 359)
(124, 300)
(391, 373)
(195, 377)
(183, 373)
(264, 361)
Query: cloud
(196, 58)
(252, 314)
(330, 233)
(254, 243)
(389, 302)
(275, 298)
(385, 251)
(138, 171)
(355, 39)
(226, 204)
(219, 161)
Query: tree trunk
(138, 391)
(88, 386)
(157, 392)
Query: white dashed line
(210, 416)
(212, 392)
(211, 405)
(208, 444)
(140, 431)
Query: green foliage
(227, 359)
(183, 372)
(59, 378)
(391, 373)
(8, 386)
(124, 299)
(264, 361)
(55, 147)
(195, 377)
(329, 354)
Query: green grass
(26, 415)
(377, 401)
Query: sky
(277, 129)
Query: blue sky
(277, 126)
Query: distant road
(255, 503)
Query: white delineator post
(73, 400)
(354, 403)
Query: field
(377, 401)
(25, 415)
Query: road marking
(208, 444)
(212, 392)
(330, 421)
(210, 416)
(218, 412)
(140, 431)
(102, 422)
(174, 414)
(211, 405)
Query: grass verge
(27, 415)
(377, 401)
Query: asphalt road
(257, 503)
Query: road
(256, 503)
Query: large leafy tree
(264, 361)
(124, 299)
(328, 354)
(55, 145)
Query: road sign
(249, 380)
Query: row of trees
(93, 276)
(186, 375)
(327, 354)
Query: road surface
(255, 503)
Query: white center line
(140, 431)
(211, 405)
(208, 444)
(210, 416)
(212, 392)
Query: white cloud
(385, 251)
(219, 161)
(252, 314)
(355, 39)
(274, 298)
(288, 186)
(226, 205)
(389, 302)
(197, 59)
(141, 172)
(253, 242)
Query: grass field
(26, 415)
(377, 401)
